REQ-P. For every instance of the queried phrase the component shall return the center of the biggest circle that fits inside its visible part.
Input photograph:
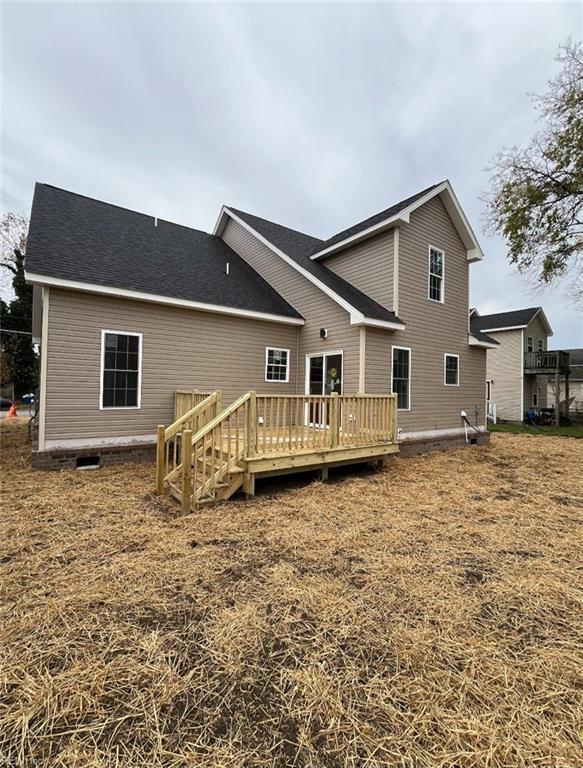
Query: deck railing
(298, 422)
(203, 454)
(187, 399)
(491, 411)
(546, 360)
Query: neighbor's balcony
(547, 361)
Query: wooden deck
(208, 454)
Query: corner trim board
(44, 355)
(362, 360)
(396, 238)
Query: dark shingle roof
(78, 238)
(575, 357)
(298, 247)
(505, 319)
(372, 220)
(478, 334)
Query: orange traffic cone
(12, 412)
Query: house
(575, 385)
(130, 308)
(519, 366)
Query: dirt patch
(426, 615)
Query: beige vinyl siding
(505, 368)
(433, 329)
(181, 348)
(319, 310)
(537, 330)
(378, 359)
(369, 267)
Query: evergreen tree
(19, 359)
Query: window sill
(120, 408)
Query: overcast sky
(313, 115)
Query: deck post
(249, 484)
(186, 469)
(394, 422)
(252, 424)
(558, 397)
(566, 395)
(160, 458)
(334, 420)
(218, 403)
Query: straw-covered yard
(429, 614)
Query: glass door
(324, 377)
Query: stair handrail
(213, 398)
(221, 417)
(165, 434)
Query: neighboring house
(519, 367)
(575, 385)
(131, 308)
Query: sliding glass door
(323, 377)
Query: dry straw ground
(426, 615)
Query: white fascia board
(461, 223)
(546, 323)
(352, 311)
(123, 293)
(221, 221)
(503, 328)
(401, 218)
(369, 321)
(474, 342)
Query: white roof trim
(503, 328)
(400, 218)
(123, 293)
(356, 317)
(474, 342)
(370, 321)
(546, 323)
(451, 203)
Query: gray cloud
(315, 115)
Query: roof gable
(400, 213)
(295, 248)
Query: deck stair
(210, 453)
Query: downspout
(298, 391)
(362, 360)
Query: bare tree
(13, 234)
(536, 197)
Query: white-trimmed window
(541, 345)
(451, 370)
(121, 370)
(529, 344)
(436, 271)
(534, 394)
(401, 377)
(276, 365)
